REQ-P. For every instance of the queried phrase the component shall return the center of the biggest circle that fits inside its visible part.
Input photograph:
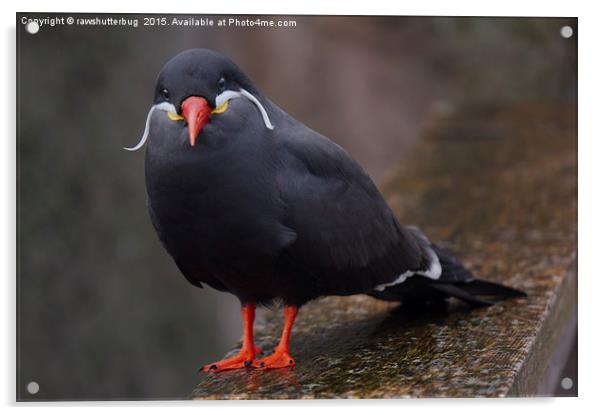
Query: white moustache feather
(219, 101)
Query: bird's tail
(455, 281)
(477, 292)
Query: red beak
(197, 111)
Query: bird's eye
(165, 93)
(221, 84)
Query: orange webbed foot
(241, 361)
(279, 359)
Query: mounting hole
(566, 383)
(566, 32)
(32, 27)
(33, 388)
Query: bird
(249, 201)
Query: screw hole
(566, 383)
(566, 32)
(33, 388)
(32, 27)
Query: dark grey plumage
(278, 214)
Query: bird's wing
(346, 233)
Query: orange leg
(281, 357)
(248, 351)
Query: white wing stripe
(434, 272)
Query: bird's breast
(214, 206)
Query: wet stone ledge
(496, 184)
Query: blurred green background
(103, 313)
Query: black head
(198, 84)
(198, 72)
